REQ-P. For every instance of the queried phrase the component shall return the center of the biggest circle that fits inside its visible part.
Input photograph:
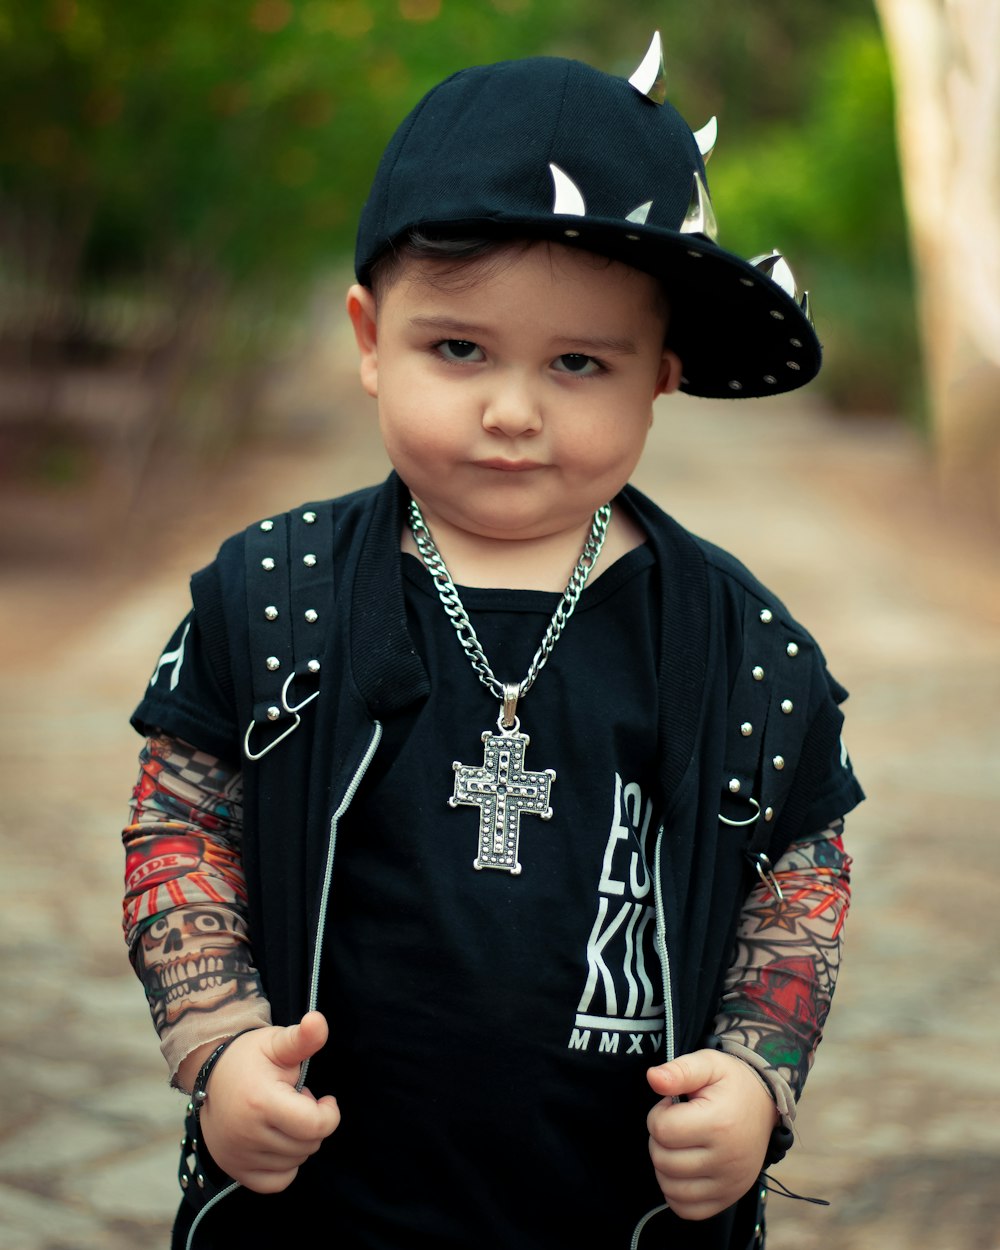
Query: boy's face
(515, 394)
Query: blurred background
(179, 186)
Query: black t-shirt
(490, 1032)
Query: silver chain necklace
(502, 789)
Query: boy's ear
(361, 310)
(669, 377)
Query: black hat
(552, 149)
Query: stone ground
(900, 1125)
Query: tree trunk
(946, 65)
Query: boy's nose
(512, 408)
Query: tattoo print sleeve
(185, 898)
(780, 984)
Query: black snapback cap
(553, 149)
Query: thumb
(687, 1074)
(293, 1044)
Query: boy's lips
(508, 466)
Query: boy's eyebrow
(584, 344)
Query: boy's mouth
(508, 466)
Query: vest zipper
(668, 1002)
(345, 803)
(324, 898)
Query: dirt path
(900, 1124)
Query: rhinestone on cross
(503, 792)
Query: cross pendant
(503, 792)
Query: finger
(303, 1118)
(687, 1074)
(292, 1045)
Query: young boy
(550, 986)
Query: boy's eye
(459, 349)
(576, 363)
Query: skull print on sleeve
(184, 907)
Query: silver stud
(770, 379)
(273, 712)
(769, 813)
(792, 649)
(747, 281)
(757, 673)
(309, 561)
(273, 663)
(779, 762)
(736, 386)
(313, 666)
(271, 612)
(571, 234)
(201, 1180)
(309, 518)
(650, 77)
(267, 526)
(311, 615)
(793, 364)
(185, 1180)
(707, 137)
(700, 216)
(778, 316)
(267, 564)
(795, 342)
(568, 198)
(767, 616)
(734, 786)
(746, 729)
(787, 706)
(633, 238)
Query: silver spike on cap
(638, 215)
(568, 196)
(806, 307)
(707, 137)
(778, 270)
(700, 216)
(650, 78)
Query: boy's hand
(708, 1151)
(258, 1127)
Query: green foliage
(148, 147)
(825, 191)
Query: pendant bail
(511, 694)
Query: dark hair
(455, 252)
(458, 253)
